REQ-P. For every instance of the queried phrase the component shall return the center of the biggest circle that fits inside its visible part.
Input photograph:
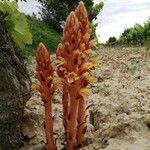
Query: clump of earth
(119, 116)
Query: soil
(119, 118)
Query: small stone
(28, 129)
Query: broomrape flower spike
(69, 49)
(86, 66)
(74, 67)
(45, 87)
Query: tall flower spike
(68, 70)
(44, 70)
(46, 88)
(73, 66)
(82, 16)
(85, 67)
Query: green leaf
(17, 39)
(27, 38)
(20, 23)
(16, 22)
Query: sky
(29, 7)
(118, 15)
(115, 16)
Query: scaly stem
(49, 126)
(81, 122)
(65, 108)
(72, 119)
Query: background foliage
(139, 35)
(19, 24)
(55, 12)
(41, 33)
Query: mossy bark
(14, 90)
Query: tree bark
(15, 87)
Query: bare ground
(120, 116)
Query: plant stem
(49, 126)
(72, 119)
(81, 122)
(65, 100)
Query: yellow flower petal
(82, 46)
(93, 43)
(77, 52)
(61, 58)
(49, 78)
(83, 55)
(85, 74)
(70, 80)
(95, 62)
(33, 86)
(76, 78)
(72, 76)
(57, 82)
(87, 65)
(84, 92)
(91, 79)
(60, 61)
(88, 51)
(36, 87)
(86, 36)
(62, 69)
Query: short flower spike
(44, 73)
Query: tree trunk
(14, 90)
